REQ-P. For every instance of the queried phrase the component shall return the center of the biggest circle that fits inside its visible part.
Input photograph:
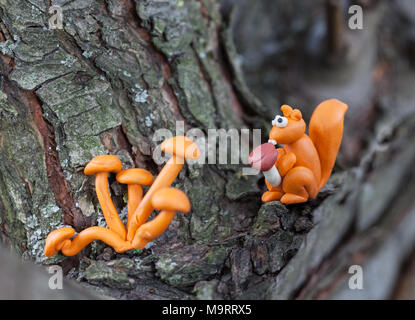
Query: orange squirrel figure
(305, 162)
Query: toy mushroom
(100, 166)
(169, 200)
(60, 240)
(134, 178)
(181, 148)
(263, 158)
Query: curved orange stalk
(169, 200)
(152, 229)
(100, 166)
(135, 195)
(134, 178)
(144, 209)
(59, 240)
(108, 209)
(181, 148)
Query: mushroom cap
(263, 157)
(55, 238)
(182, 147)
(170, 199)
(105, 163)
(135, 176)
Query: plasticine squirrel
(305, 162)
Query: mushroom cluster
(160, 196)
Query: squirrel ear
(286, 110)
(296, 114)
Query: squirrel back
(326, 131)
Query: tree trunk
(120, 70)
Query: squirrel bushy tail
(326, 130)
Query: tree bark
(120, 70)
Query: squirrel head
(287, 128)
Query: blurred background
(302, 52)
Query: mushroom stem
(165, 178)
(273, 176)
(110, 213)
(59, 240)
(152, 229)
(135, 195)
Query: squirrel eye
(280, 121)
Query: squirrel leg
(291, 198)
(273, 193)
(286, 163)
(272, 196)
(299, 185)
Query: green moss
(169, 17)
(20, 14)
(110, 274)
(7, 109)
(182, 270)
(203, 221)
(58, 64)
(268, 220)
(239, 186)
(196, 91)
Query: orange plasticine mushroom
(100, 166)
(169, 200)
(134, 178)
(60, 240)
(57, 239)
(182, 148)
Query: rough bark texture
(120, 70)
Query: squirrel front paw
(272, 196)
(286, 163)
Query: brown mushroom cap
(263, 157)
(170, 199)
(105, 163)
(182, 147)
(135, 176)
